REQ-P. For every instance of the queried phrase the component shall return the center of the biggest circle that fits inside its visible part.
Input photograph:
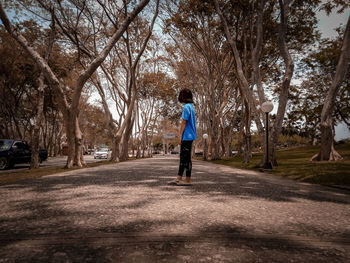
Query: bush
(294, 140)
(343, 141)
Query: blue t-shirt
(190, 132)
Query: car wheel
(4, 163)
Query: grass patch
(15, 176)
(295, 163)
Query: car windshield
(104, 150)
(5, 145)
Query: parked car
(101, 154)
(16, 152)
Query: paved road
(127, 213)
(50, 162)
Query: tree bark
(327, 151)
(125, 139)
(256, 54)
(35, 162)
(78, 154)
(283, 96)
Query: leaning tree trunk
(40, 107)
(283, 96)
(327, 151)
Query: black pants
(185, 158)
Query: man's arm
(182, 129)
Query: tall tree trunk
(69, 126)
(215, 130)
(125, 139)
(214, 123)
(283, 96)
(78, 154)
(327, 151)
(240, 142)
(243, 83)
(256, 54)
(36, 131)
(247, 151)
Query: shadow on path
(127, 213)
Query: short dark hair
(185, 96)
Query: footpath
(127, 212)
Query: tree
(127, 56)
(268, 49)
(154, 93)
(18, 87)
(327, 151)
(289, 70)
(135, 51)
(22, 98)
(307, 99)
(93, 125)
(202, 63)
(40, 106)
(69, 106)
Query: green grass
(295, 163)
(15, 176)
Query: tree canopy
(134, 57)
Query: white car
(101, 154)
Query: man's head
(185, 96)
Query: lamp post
(205, 150)
(267, 107)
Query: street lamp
(267, 107)
(205, 150)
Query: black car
(15, 152)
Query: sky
(327, 24)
